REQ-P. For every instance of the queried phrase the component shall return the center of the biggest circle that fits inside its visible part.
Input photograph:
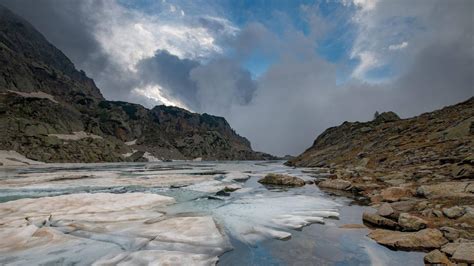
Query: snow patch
(13, 158)
(78, 135)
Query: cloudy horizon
(280, 73)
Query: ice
(138, 226)
(256, 217)
(149, 257)
(127, 228)
(213, 186)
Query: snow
(13, 158)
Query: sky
(280, 72)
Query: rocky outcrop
(417, 172)
(282, 180)
(43, 96)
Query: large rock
(338, 184)
(454, 212)
(437, 257)
(282, 180)
(378, 221)
(385, 210)
(447, 189)
(410, 222)
(426, 239)
(464, 253)
(393, 194)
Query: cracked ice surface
(102, 227)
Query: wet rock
(385, 210)
(410, 222)
(426, 239)
(464, 253)
(454, 212)
(282, 180)
(378, 221)
(338, 184)
(437, 257)
(393, 194)
(222, 193)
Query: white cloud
(158, 94)
(365, 5)
(129, 36)
(399, 46)
(368, 61)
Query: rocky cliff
(51, 112)
(417, 172)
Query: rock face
(42, 95)
(426, 239)
(282, 180)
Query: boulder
(463, 171)
(446, 189)
(393, 194)
(454, 212)
(453, 234)
(335, 184)
(282, 180)
(385, 210)
(378, 221)
(464, 253)
(386, 117)
(437, 257)
(410, 222)
(426, 239)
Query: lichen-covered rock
(282, 180)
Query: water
(265, 225)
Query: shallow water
(265, 225)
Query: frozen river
(184, 213)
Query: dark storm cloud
(171, 73)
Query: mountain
(51, 112)
(418, 173)
(389, 142)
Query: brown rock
(410, 222)
(282, 180)
(378, 221)
(335, 184)
(454, 212)
(464, 253)
(446, 189)
(425, 239)
(393, 194)
(385, 210)
(437, 257)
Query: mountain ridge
(52, 112)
